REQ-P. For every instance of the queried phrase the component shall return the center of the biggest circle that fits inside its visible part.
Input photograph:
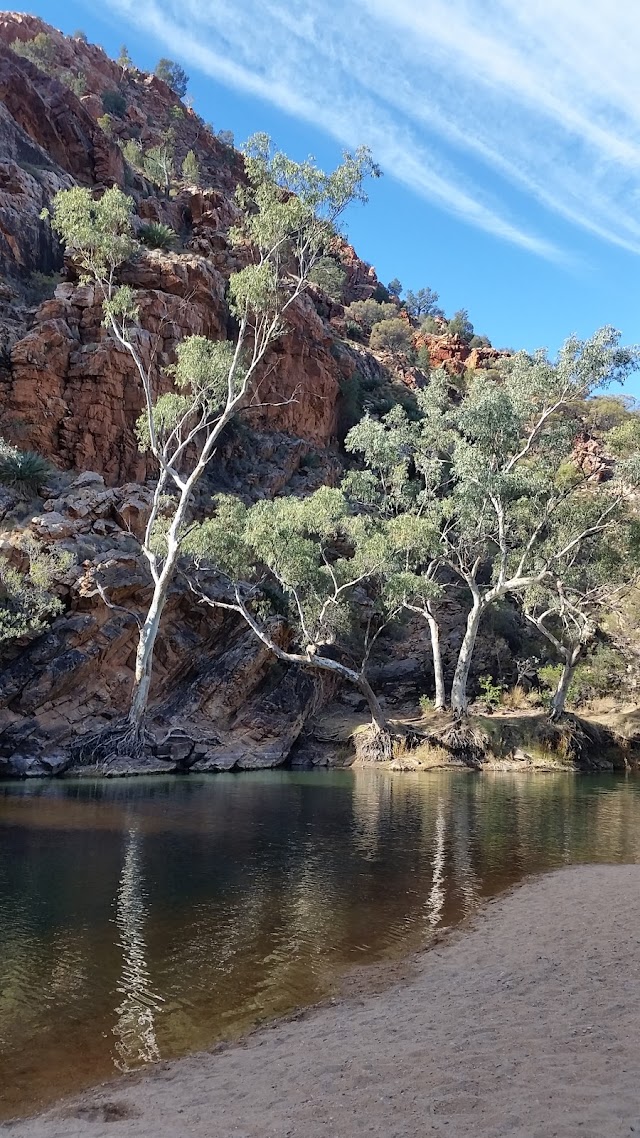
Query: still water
(144, 918)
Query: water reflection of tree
(135, 1030)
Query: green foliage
(226, 138)
(392, 336)
(422, 303)
(479, 342)
(423, 359)
(600, 675)
(98, 234)
(132, 153)
(191, 169)
(431, 327)
(76, 81)
(80, 35)
(176, 113)
(27, 603)
(173, 75)
(394, 288)
(124, 60)
(42, 286)
(40, 51)
(105, 122)
(490, 692)
(426, 704)
(158, 161)
(114, 103)
(381, 294)
(157, 235)
(461, 326)
(624, 439)
(366, 313)
(24, 471)
(330, 276)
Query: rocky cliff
(69, 393)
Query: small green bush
(105, 122)
(226, 137)
(42, 286)
(76, 81)
(490, 692)
(114, 103)
(40, 51)
(330, 276)
(426, 704)
(191, 169)
(366, 313)
(391, 336)
(23, 471)
(132, 153)
(157, 235)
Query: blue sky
(508, 132)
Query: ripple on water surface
(141, 919)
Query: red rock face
(455, 356)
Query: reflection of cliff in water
(135, 1031)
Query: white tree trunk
(377, 714)
(560, 695)
(461, 674)
(438, 673)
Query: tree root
(464, 742)
(100, 748)
(374, 745)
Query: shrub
(172, 74)
(391, 336)
(76, 81)
(42, 286)
(80, 35)
(479, 342)
(105, 122)
(366, 313)
(132, 153)
(157, 235)
(381, 294)
(423, 359)
(430, 326)
(27, 602)
(114, 103)
(40, 51)
(226, 137)
(624, 439)
(490, 692)
(330, 276)
(599, 675)
(191, 169)
(461, 326)
(394, 288)
(426, 704)
(23, 471)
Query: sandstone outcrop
(69, 392)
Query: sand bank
(524, 1023)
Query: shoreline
(524, 1020)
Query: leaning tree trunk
(560, 695)
(438, 673)
(461, 674)
(377, 714)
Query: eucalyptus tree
(288, 212)
(405, 481)
(491, 471)
(513, 516)
(591, 582)
(309, 562)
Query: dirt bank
(526, 1024)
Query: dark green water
(144, 918)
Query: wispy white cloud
(458, 100)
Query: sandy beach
(526, 1022)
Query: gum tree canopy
(289, 212)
